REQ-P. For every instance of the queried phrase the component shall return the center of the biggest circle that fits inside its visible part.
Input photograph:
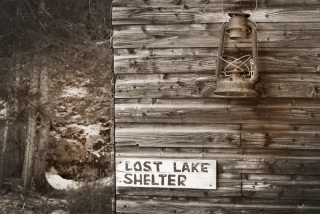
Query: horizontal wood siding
(205, 14)
(202, 60)
(217, 110)
(186, 85)
(208, 35)
(267, 148)
(185, 205)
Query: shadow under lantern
(236, 73)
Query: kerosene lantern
(237, 73)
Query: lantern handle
(220, 51)
(255, 73)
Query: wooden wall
(267, 148)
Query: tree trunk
(40, 156)
(31, 138)
(17, 108)
(4, 146)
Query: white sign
(166, 173)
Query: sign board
(166, 173)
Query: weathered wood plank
(219, 135)
(195, 207)
(210, 28)
(180, 135)
(163, 85)
(212, 14)
(228, 185)
(213, 3)
(283, 180)
(281, 187)
(280, 136)
(239, 200)
(266, 88)
(203, 60)
(203, 85)
(180, 198)
(225, 187)
(267, 102)
(232, 154)
(217, 110)
(295, 77)
(191, 36)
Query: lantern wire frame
(240, 83)
(238, 61)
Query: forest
(55, 105)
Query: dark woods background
(56, 88)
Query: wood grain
(203, 60)
(219, 153)
(208, 35)
(212, 3)
(212, 14)
(281, 187)
(219, 135)
(215, 110)
(195, 207)
(180, 135)
(224, 188)
(280, 136)
(163, 85)
(212, 28)
(203, 85)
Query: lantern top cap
(239, 14)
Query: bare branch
(42, 8)
(34, 15)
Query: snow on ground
(57, 182)
(74, 92)
(3, 110)
(89, 130)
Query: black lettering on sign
(137, 166)
(128, 179)
(136, 180)
(171, 180)
(146, 180)
(185, 167)
(127, 167)
(203, 167)
(153, 180)
(181, 180)
(162, 178)
(147, 167)
(194, 167)
(175, 167)
(157, 163)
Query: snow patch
(77, 116)
(2, 114)
(55, 134)
(57, 182)
(3, 110)
(89, 130)
(74, 92)
(101, 42)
